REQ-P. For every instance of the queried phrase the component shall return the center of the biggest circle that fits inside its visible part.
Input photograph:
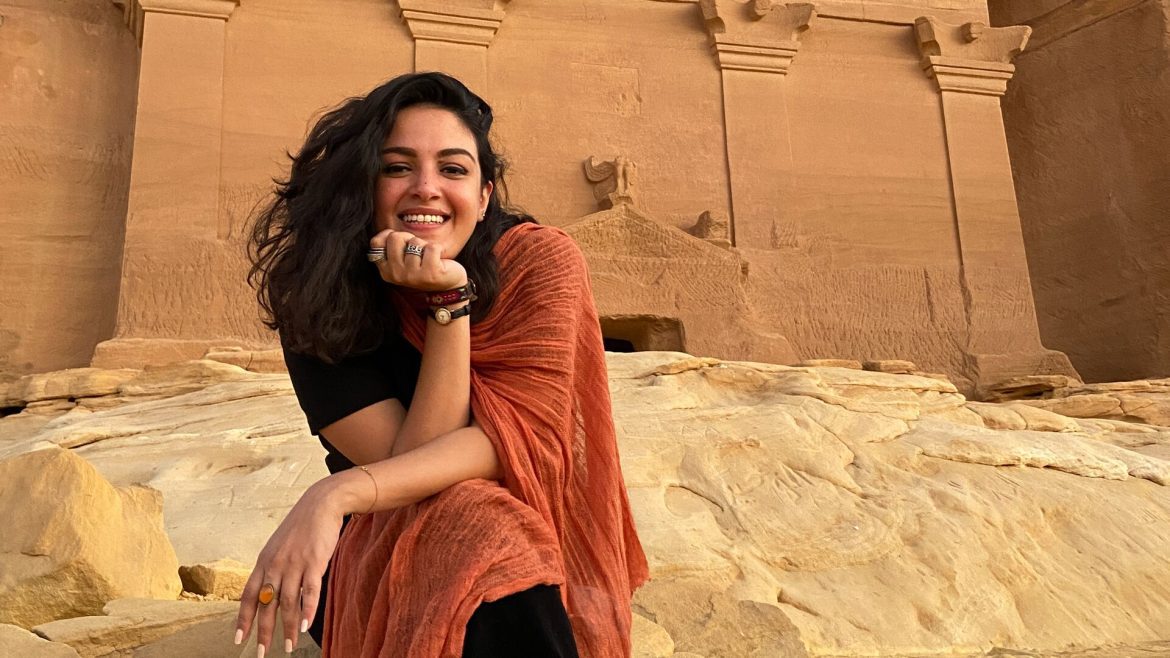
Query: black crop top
(327, 393)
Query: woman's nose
(425, 185)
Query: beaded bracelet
(443, 298)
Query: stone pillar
(453, 37)
(755, 43)
(971, 64)
(174, 240)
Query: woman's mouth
(419, 219)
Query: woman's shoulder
(531, 240)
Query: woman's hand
(428, 271)
(292, 563)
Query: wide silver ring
(376, 255)
(412, 249)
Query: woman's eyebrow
(411, 153)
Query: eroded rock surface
(72, 542)
(19, 642)
(786, 511)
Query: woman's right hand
(428, 272)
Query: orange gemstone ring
(267, 594)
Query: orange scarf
(406, 582)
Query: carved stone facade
(850, 205)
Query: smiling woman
(447, 352)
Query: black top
(327, 393)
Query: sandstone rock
(72, 541)
(892, 366)
(145, 627)
(224, 579)
(184, 377)
(1144, 401)
(828, 510)
(68, 384)
(866, 507)
(830, 363)
(1019, 416)
(230, 458)
(1081, 406)
(1028, 386)
(650, 640)
(15, 641)
(717, 625)
(49, 407)
(252, 360)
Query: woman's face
(430, 180)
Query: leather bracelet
(444, 315)
(444, 297)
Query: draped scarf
(405, 582)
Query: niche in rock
(642, 333)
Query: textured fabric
(406, 582)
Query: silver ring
(412, 249)
(376, 255)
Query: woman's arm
(296, 555)
(442, 396)
(463, 454)
(441, 403)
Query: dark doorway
(642, 333)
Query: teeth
(423, 219)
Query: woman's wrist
(449, 314)
(349, 492)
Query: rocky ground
(786, 511)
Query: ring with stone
(412, 249)
(376, 255)
(267, 594)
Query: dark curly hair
(308, 243)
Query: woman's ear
(484, 197)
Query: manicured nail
(288, 646)
(304, 625)
(239, 635)
(259, 651)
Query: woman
(448, 347)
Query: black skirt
(531, 623)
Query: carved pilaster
(971, 64)
(755, 42)
(970, 58)
(453, 36)
(174, 196)
(134, 11)
(758, 35)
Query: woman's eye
(454, 170)
(394, 168)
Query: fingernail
(288, 646)
(239, 635)
(259, 651)
(304, 625)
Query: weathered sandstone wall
(855, 182)
(68, 72)
(1088, 123)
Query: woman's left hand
(292, 563)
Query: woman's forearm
(464, 454)
(442, 397)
